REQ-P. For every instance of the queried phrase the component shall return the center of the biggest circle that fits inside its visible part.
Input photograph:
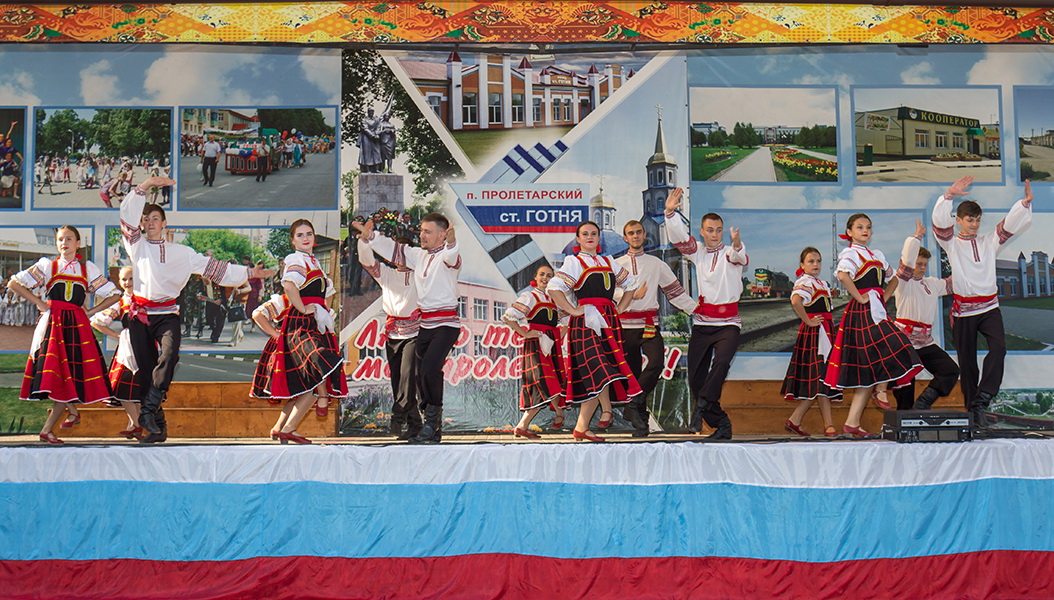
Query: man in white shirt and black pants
(210, 155)
(436, 266)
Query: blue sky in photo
(146, 75)
(1035, 110)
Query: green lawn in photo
(13, 362)
(788, 175)
(704, 169)
(1046, 303)
(20, 416)
(486, 146)
(832, 150)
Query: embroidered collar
(719, 248)
(160, 241)
(308, 254)
(859, 246)
(437, 249)
(635, 254)
(963, 236)
(587, 253)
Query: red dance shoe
(132, 434)
(880, 400)
(296, 439)
(830, 431)
(602, 423)
(795, 429)
(50, 438)
(585, 435)
(69, 424)
(322, 411)
(524, 433)
(856, 432)
(274, 434)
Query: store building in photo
(916, 133)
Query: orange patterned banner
(497, 22)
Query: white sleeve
(943, 221)
(35, 276)
(804, 289)
(519, 309)
(848, 261)
(131, 216)
(99, 284)
(1019, 217)
(566, 278)
(623, 278)
(677, 231)
(674, 291)
(217, 271)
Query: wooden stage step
(225, 410)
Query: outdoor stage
(857, 519)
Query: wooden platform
(225, 410)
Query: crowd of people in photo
(112, 176)
(590, 328)
(261, 154)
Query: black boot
(432, 430)
(157, 438)
(413, 425)
(723, 431)
(150, 405)
(637, 414)
(395, 427)
(695, 425)
(925, 399)
(979, 409)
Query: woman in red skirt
(127, 391)
(811, 301)
(305, 359)
(65, 362)
(870, 353)
(534, 317)
(595, 366)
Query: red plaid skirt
(866, 353)
(125, 384)
(69, 366)
(596, 361)
(297, 362)
(805, 373)
(542, 382)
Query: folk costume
(595, 356)
(975, 307)
(160, 270)
(306, 354)
(401, 325)
(640, 328)
(65, 361)
(715, 323)
(808, 363)
(126, 385)
(868, 348)
(436, 273)
(542, 382)
(917, 303)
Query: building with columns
(1024, 278)
(497, 92)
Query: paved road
(819, 155)
(927, 171)
(67, 195)
(1041, 159)
(312, 186)
(756, 167)
(1032, 323)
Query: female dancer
(595, 367)
(266, 316)
(65, 362)
(534, 316)
(125, 385)
(305, 358)
(811, 301)
(870, 352)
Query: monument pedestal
(374, 191)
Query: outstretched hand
(1028, 192)
(641, 291)
(674, 201)
(920, 229)
(450, 238)
(959, 188)
(364, 229)
(737, 243)
(258, 272)
(157, 181)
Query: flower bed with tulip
(807, 168)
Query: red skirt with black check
(866, 353)
(596, 361)
(300, 360)
(69, 366)
(542, 382)
(125, 384)
(804, 380)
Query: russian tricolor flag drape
(792, 520)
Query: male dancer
(640, 322)
(399, 300)
(715, 322)
(975, 308)
(436, 266)
(917, 298)
(160, 269)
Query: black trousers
(433, 346)
(402, 361)
(261, 168)
(636, 347)
(215, 317)
(208, 169)
(156, 348)
(710, 353)
(944, 370)
(964, 334)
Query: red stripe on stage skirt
(804, 380)
(124, 383)
(301, 359)
(595, 361)
(866, 353)
(542, 382)
(69, 366)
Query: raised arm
(451, 252)
(910, 253)
(943, 221)
(676, 229)
(1019, 217)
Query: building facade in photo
(1024, 278)
(196, 120)
(496, 92)
(915, 133)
